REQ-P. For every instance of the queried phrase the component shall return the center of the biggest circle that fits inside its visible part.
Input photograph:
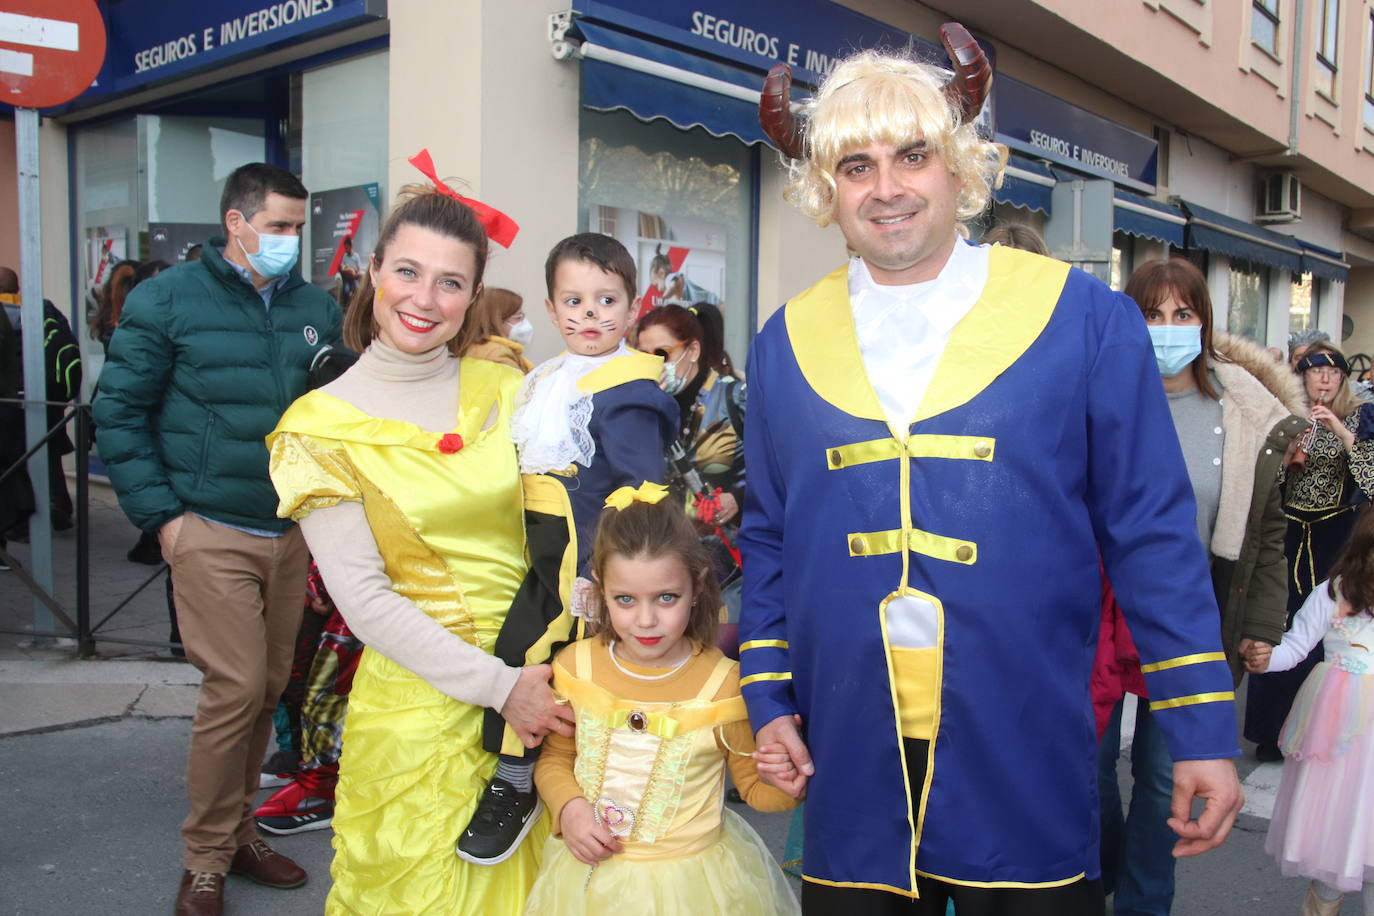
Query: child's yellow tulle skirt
(735, 876)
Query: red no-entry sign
(50, 50)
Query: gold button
(982, 450)
(835, 459)
(856, 545)
(964, 553)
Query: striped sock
(518, 771)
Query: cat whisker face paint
(590, 307)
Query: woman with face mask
(503, 331)
(706, 463)
(1233, 408)
(1328, 472)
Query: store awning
(651, 80)
(1142, 216)
(1027, 183)
(1323, 262)
(1235, 238)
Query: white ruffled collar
(552, 416)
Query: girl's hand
(588, 841)
(773, 760)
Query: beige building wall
(53, 201)
(1360, 290)
(9, 197)
(503, 118)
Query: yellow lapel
(1016, 304)
(820, 325)
(625, 368)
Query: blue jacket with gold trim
(1043, 436)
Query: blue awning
(1323, 262)
(1142, 216)
(1235, 238)
(651, 80)
(1027, 183)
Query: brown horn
(775, 113)
(972, 73)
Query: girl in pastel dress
(638, 794)
(1323, 824)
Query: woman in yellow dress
(404, 480)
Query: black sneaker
(311, 814)
(504, 815)
(279, 769)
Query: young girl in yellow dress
(638, 794)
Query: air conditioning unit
(1280, 198)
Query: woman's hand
(1257, 657)
(532, 710)
(1323, 415)
(729, 508)
(588, 841)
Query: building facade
(1237, 132)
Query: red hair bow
(500, 227)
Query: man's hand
(784, 731)
(1215, 782)
(531, 709)
(588, 841)
(167, 537)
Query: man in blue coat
(942, 439)
(206, 358)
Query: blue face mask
(1176, 346)
(276, 254)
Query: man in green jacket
(206, 358)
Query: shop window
(1247, 313)
(1302, 303)
(1123, 259)
(1369, 73)
(681, 202)
(343, 160)
(1324, 74)
(1264, 24)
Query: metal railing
(77, 621)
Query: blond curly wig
(875, 97)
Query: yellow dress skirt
(445, 508)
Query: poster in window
(171, 242)
(680, 259)
(344, 225)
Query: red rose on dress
(450, 443)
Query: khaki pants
(239, 599)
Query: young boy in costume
(588, 421)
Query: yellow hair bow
(644, 493)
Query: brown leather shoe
(201, 894)
(259, 862)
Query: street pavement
(92, 754)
